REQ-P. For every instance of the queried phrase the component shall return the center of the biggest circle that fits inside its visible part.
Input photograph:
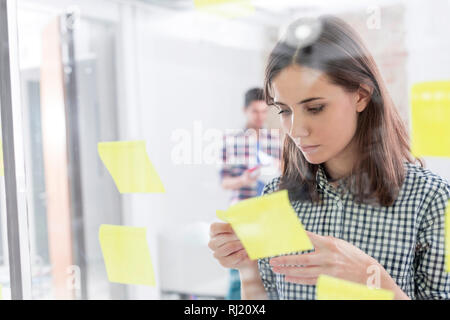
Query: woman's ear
(364, 94)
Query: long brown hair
(381, 136)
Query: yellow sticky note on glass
(130, 167)
(267, 226)
(126, 255)
(447, 237)
(330, 288)
(225, 8)
(221, 214)
(430, 116)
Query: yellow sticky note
(447, 237)
(221, 214)
(430, 116)
(130, 167)
(225, 8)
(330, 288)
(267, 226)
(126, 255)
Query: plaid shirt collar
(324, 184)
(347, 186)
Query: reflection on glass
(140, 71)
(73, 80)
(5, 289)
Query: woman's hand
(227, 248)
(332, 256)
(336, 258)
(230, 253)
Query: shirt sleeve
(431, 279)
(225, 171)
(274, 149)
(267, 275)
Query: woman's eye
(316, 110)
(283, 111)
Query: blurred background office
(87, 71)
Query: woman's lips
(310, 149)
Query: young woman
(370, 210)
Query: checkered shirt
(407, 238)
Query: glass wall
(5, 287)
(114, 94)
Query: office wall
(428, 58)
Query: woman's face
(315, 112)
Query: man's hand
(249, 177)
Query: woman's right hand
(227, 248)
(230, 253)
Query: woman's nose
(299, 127)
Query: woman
(371, 211)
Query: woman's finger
(228, 248)
(234, 259)
(221, 239)
(300, 272)
(306, 259)
(220, 227)
(307, 281)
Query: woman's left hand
(332, 256)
